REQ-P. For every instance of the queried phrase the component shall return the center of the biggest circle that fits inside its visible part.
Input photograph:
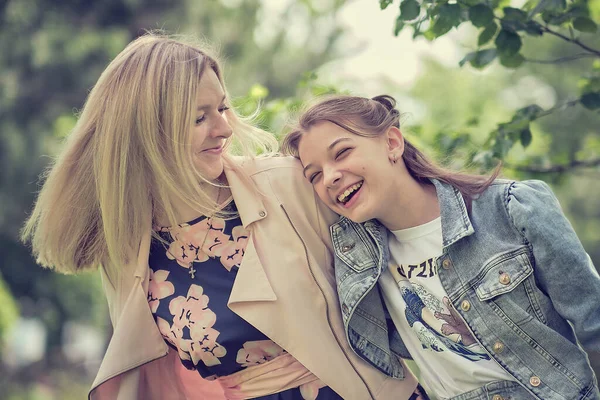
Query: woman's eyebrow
(208, 106)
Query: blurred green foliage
(503, 30)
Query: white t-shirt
(451, 361)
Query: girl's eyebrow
(331, 146)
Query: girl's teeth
(351, 189)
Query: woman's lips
(214, 150)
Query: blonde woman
(215, 268)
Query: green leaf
(511, 61)
(449, 17)
(515, 125)
(530, 112)
(514, 14)
(481, 15)
(482, 58)
(590, 85)
(591, 101)
(556, 17)
(385, 3)
(440, 27)
(487, 34)
(466, 59)
(526, 137)
(556, 5)
(399, 26)
(409, 9)
(508, 43)
(533, 28)
(583, 24)
(501, 146)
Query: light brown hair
(373, 117)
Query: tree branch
(559, 107)
(568, 39)
(562, 59)
(594, 162)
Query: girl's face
(211, 128)
(351, 174)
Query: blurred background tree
(278, 54)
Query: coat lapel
(251, 282)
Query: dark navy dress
(191, 276)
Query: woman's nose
(222, 127)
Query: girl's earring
(394, 158)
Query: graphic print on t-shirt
(436, 323)
(450, 359)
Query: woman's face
(211, 128)
(351, 174)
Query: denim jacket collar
(455, 218)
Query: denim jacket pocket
(349, 248)
(507, 281)
(503, 274)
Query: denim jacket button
(504, 278)
(498, 347)
(347, 247)
(535, 381)
(446, 264)
(497, 397)
(465, 305)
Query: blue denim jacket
(531, 325)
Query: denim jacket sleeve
(564, 270)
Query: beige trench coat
(285, 288)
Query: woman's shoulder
(272, 164)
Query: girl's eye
(342, 152)
(313, 177)
(199, 120)
(223, 109)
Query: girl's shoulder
(530, 189)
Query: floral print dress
(191, 278)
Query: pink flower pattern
(232, 252)
(206, 239)
(191, 313)
(159, 288)
(258, 352)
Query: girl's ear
(395, 142)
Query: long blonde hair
(373, 117)
(127, 156)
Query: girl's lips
(354, 198)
